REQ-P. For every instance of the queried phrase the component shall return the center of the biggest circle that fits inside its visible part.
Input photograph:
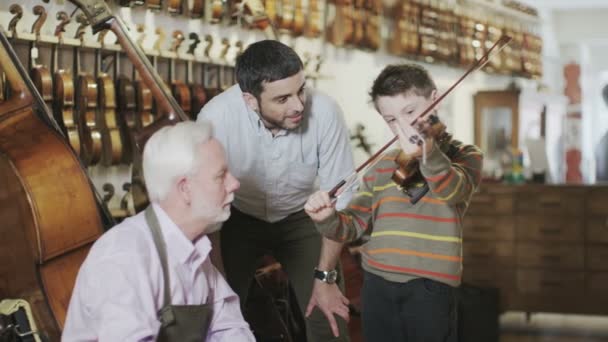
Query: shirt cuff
(327, 227)
(436, 162)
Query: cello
(48, 208)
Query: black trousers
(420, 310)
(295, 243)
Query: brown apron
(178, 322)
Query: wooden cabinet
(544, 247)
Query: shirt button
(276, 155)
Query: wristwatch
(329, 277)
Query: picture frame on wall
(496, 126)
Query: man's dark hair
(265, 61)
(402, 78)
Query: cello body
(48, 211)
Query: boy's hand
(319, 206)
(410, 145)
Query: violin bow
(478, 64)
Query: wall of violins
(98, 100)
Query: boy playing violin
(413, 260)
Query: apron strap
(161, 248)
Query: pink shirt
(120, 286)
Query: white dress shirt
(278, 173)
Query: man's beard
(203, 210)
(271, 123)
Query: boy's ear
(251, 101)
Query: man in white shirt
(120, 286)
(280, 137)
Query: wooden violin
(217, 11)
(179, 89)
(40, 74)
(286, 17)
(198, 9)
(63, 91)
(407, 175)
(313, 21)
(86, 104)
(128, 118)
(174, 7)
(357, 14)
(112, 139)
(143, 96)
(372, 38)
(298, 19)
(197, 90)
(341, 29)
(211, 76)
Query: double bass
(49, 212)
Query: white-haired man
(124, 292)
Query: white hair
(172, 153)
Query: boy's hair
(265, 61)
(402, 78)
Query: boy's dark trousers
(420, 310)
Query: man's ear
(251, 101)
(183, 188)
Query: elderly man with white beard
(150, 277)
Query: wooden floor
(515, 327)
(553, 327)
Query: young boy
(413, 260)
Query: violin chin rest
(416, 191)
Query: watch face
(332, 276)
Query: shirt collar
(178, 245)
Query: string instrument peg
(17, 12)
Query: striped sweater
(412, 241)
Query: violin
(174, 7)
(128, 118)
(286, 17)
(408, 165)
(217, 11)
(86, 104)
(342, 28)
(180, 90)
(371, 39)
(313, 22)
(407, 175)
(198, 9)
(197, 90)
(358, 19)
(40, 74)
(298, 19)
(63, 92)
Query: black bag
(478, 310)
(15, 327)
